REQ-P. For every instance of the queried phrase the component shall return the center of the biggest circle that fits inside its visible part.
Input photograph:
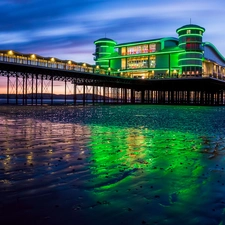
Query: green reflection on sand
(150, 164)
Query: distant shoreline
(88, 96)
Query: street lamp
(10, 52)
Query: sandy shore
(56, 169)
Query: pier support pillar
(23, 90)
(125, 95)
(221, 97)
(42, 86)
(32, 89)
(74, 93)
(84, 94)
(65, 92)
(201, 98)
(104, 94)
(7, 88)
(212, 98)
(52, 89)
(132, 96)
(93, 94)
(188, 97)
(36, 97)
(143, 96)
(17, 89)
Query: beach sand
(55, 170)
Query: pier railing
(49, 62)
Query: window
(139, 49)
(152, 47)
(193, 46)
(123, 64)
(194, 39)
(137, 62)
(152, 61)
(123, 51)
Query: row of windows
(104, 49)
(192, 46)
(190, 39)
(190, 32)
(139, 49)
(192, 70)
(140, 62)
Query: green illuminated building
(166, 57)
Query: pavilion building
(185, 56)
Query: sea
(112, 165)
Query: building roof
(104, 40)
(146, 41)
(189, 26)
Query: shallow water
(112, 165)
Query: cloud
(67, 27)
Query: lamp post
(97, 69)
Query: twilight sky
(66, 29)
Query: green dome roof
(190, 26)
(104, 40)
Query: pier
(31, 78)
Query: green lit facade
(166, 57)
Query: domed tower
(190, 39)
(103, 47)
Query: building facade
(185, 56)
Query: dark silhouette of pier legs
(8, 89)
(52, 91)
(34, 89)
(84, 94)
(65, 93)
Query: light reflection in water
(102, 164)
(157, 175)
(32, 148)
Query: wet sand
(112, 165)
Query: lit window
(188, 31)
(140, 62)
(152, 47)
(123, 51)
(137, 49)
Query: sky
(66, 29)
